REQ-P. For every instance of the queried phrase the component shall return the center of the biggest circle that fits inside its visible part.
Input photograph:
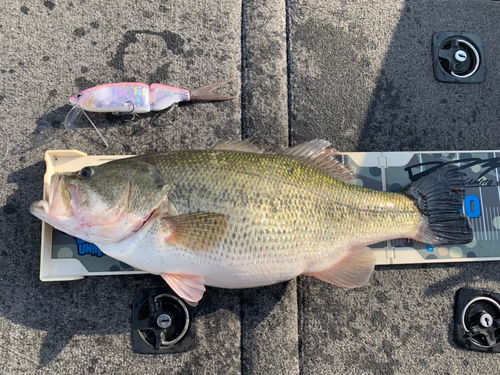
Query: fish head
(103, 204)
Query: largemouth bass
(235, 216)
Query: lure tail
(439, 197)
(207, 92)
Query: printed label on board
(85, 248)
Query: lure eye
(86, 172)
(78, 95)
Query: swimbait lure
(134, 98)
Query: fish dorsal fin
(241, 146)
(200, 231)
(321, 155)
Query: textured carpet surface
(354, 72)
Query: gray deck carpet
(357, 73)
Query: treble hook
(131, 112)
(167, 112)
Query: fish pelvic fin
(352, 271)
(189, 287)
(439, 197)
(200, 231)
(206, 93)
(319, 154)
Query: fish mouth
(62, 209)
(73, 100)
(55, 206)
(54, 186)
(39, 208)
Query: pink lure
(131, 97)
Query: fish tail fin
(207, 92)
(439, 196)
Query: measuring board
(64, 257)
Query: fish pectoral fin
(352, 271)
(320, 154)
(189, 287)
(200, 231)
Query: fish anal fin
(189, 287)
(200, 231)
(352, 271)
(320, 154)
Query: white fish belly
(220, 268)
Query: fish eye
(86, 172)
(78, 95)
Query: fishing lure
(134, 98)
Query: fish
(239, 216)
(134, 98)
